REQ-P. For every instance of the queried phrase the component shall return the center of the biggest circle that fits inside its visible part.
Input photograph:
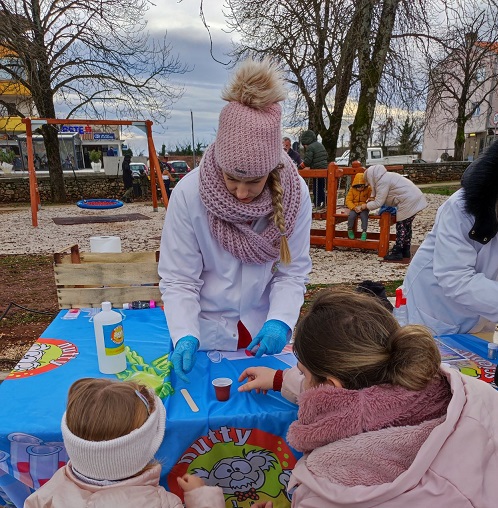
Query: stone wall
(434, 172)
(14, 188)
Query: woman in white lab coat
(451, 284)
(235, 244)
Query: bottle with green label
(109, 337)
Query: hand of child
(259, 379)
(357, 209)
(190, 482)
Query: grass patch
(15, 264)
(444, 190)
(22, 317)
(313, 289)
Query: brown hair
(104, 409)
(278, 213)
(354, 338)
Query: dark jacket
(316, 156)
(294, 156)
(480, 185)
(127, 173)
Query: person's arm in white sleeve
(381, 192)
(180, 267)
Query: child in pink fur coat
(380, 422)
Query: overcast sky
(189, 40)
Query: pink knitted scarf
(230, 220)
(327, 414)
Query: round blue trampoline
(99, 203)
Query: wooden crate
(86, 279)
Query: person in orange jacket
(358, 195)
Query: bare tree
(332, 50)
(86, 57)
(462, 65)
(316, 43)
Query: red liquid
(222, 393)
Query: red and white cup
(222, 388)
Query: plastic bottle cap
(106, 306)
(126, 305)
(400, 299)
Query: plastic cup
(222, 388)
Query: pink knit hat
(249, 138)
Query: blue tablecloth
(249, 427)
(468, 354)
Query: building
(76, 141)
(17, 98)
(481, 129)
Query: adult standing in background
(290, 152)
(315, 157)
(394, 190)
(127, 179)
(451, 285)
(235, 244)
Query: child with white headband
(111, 432)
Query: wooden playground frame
(331, 237)
(145, 125)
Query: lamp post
(193, 145)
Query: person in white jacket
(451, 285)
(394, 190)
(380, 422)
(235, 244)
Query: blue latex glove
(183, 357)
(391, 209)
(272, 338)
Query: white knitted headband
(118, 458)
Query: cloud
(189, 40)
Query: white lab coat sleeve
(180, 267)
(455, 257)
(288, 285)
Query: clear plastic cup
(222, 388)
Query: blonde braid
(278, 213)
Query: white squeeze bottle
(109, 337)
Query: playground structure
(330, 237)
(145, 126)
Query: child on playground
(111, 432)
(381, 422)
(358, 195)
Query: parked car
(180, 168)
(137, 168)
(419, 161)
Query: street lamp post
(193, 145)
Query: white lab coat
(206, 290)
(451, 284)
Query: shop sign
(80, 129)
(103, 135)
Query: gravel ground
(17, 236)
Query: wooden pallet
(86, 279)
